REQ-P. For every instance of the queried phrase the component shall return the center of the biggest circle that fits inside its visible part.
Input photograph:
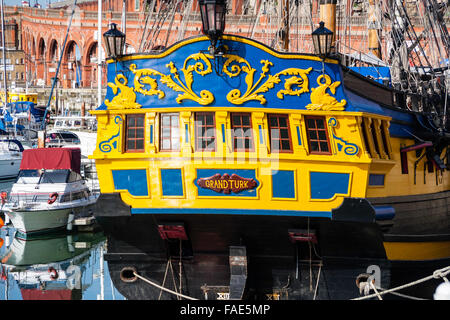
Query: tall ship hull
(256, 174)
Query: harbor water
(71, 266)
(80, 272)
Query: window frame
(135, 139)
(169, 114)
(197, 138)
(325, 129)
(279, 115)
(250, 126)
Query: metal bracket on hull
(238, 272)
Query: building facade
(156, 24)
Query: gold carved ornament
(232, 68)
(126, 99)
(234, 65)
(202, 67)
(321, 100)
(143, 78)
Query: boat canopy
(51, 158)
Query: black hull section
(423, 215)
(276, 266)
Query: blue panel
(151, 133)
(376, 73)
(223, 133)
(186, 132)
(172, 182)
(384, 212)
(283, 184)
(135, 181)
(299, 136)
(261, 140)
(294, 213)
(206, 173)
(324, 185)
(221, 85)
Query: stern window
(280, 137)
(317, 135)
(169, 132)
(205, 132)
(134, 140)
(241, 125)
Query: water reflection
(54, 267)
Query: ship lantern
(322, 38)
(213, 19)
(114, 41)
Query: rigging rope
(163, 288)
(440, 273)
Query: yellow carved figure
(126, 99)
(142, 78)
(321, 100)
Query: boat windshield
(47, 176)
(54, 176)
(28, 176)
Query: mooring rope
(440, 273)
(162, 288)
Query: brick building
(41, 33)
(14, 56)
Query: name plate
(232, 182)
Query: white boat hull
(9, 168)
(29, 222)
(34, 221)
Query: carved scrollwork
(142, 78)
(111, 143)
(301, 82)
(202, 67)
(296, 83)
(234, 65)
(349, 148)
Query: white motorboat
(49, 191)
(10, 158)
(85, 140)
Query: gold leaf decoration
(142, 79)
(234, 65)
(126, 99)
(301, 82)
(253, 92)
(201, 67)
(321, 100)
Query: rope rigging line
(440, 273)
(163, 288)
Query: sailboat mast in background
(327, 14)
(4, 56)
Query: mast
(99, 54)
(327, 13)
(124, 16)
(286, 25)
(374, 27)
(4, 56)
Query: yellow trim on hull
(417, 251)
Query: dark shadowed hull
(276, 267)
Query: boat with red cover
(49, 191)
